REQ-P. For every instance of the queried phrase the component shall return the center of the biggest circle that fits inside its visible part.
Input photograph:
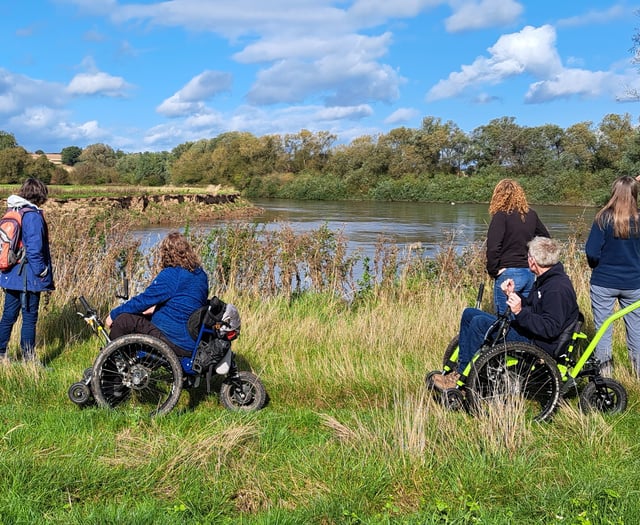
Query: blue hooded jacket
(36, 273)
(176, 293)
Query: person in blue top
(24, 282)
(613, 253)
(163, 309)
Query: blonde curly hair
(508, 196)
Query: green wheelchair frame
(503, 369)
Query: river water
(405, 223)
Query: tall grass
(349, 434)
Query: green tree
(615, 131)
(579, 145)
(496, 144)
(40, 168)
(96, 165)
(7, 140)
(70, 155)
(147, 168)
(12, 164)
(307, 150)
(404, 151)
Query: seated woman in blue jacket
(163, 309)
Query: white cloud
(482, 14)
(98, 83)
(206, 85)
(19, 91)
(598, 16)
(190, 100)
(532, 50)
(578, 82)
(402, 115)
(345, 112)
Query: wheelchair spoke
(141, 371)
(515, 372)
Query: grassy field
(349, 434)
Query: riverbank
(148, 206)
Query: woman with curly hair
(163, 309)
(513, 224)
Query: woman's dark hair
(35, 191)
(175, 250)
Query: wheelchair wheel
(448, 352)
(428, 380)
(244, 392)
(79, 393)
(610, 397)
(138, 370)
(518, 372)
(453, 399)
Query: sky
(147, 75)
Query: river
(405, 223)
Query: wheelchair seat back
(566, 337)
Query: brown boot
(443, 382)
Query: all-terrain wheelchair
(142, 371)
(502, 370)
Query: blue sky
(146, 75)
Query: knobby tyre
(79, 393)
(515, 374)
(139, 371)
(610, 397)
(245, 392)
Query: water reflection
(363, 223)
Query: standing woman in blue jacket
(613, 252)
(163, 309)
(25, 281)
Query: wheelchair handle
(479, 297)
(85, 305)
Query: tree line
(576, 163)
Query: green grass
(349, 436)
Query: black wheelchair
(502, 370)
(142, 371)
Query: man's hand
(508, 287)
(108, 321)
(514, 303)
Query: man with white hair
(550, 308)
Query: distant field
(74, 191)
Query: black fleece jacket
(550, 308)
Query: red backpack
(11, 247)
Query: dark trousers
(139, 324)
